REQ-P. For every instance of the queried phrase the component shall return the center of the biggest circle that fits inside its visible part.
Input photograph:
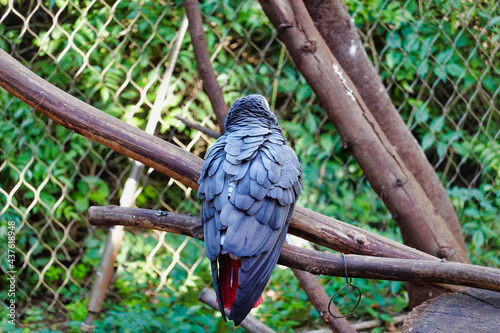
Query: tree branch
(207, 131)
(340, 34)
(315, 262)
(387, 173)
(205, 70)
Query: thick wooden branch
(343, 237)
(387, 173)
(205, 70)
(340, 34)
(470, 310)
(315, 262)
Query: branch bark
(340, 34)
(205, 70)
(315, 262)
(421, 225)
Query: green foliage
(440, 73)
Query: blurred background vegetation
(439, 60)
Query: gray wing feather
(257, 191)
(213, 185)
(251, 287)
(215, 278)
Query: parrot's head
(250, 111)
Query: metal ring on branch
(348, 281)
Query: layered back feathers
(249, 184)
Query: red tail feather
(228, 280)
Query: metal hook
(348, 281)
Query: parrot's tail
(228, 280)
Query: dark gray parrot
(249, 184)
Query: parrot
(248, 187)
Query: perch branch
(340, 34)
(420, 224)
(250, 323)
(315, 262)
(205, 70)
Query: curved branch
(315, 262)
(205, 70)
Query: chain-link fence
(438, 59)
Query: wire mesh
(437, 62)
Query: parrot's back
(249, 184)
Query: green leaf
(437, 124)
(311, 122)
(393, 58)
(461, 148)
(327, 142)
(427, 140)
(294, 129)
(422, 114)
(494, 20)
(454, 69)
(441, 149)
(387, 318)
(444, 56)
(478, 239)
(472, 212)
(393, 40)
(423, 68)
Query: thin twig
(207, 131)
